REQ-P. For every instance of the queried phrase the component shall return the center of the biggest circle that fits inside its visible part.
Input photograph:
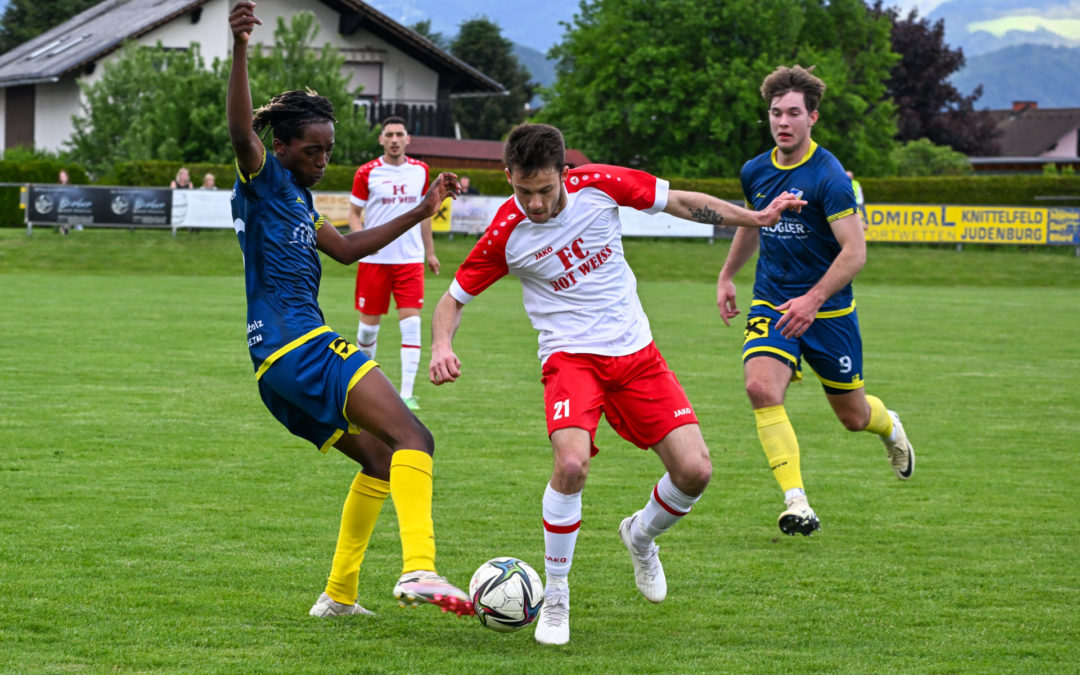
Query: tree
(437, 38)
(24, 20)
(929, 106)
(180, 115)
(673, 85)
(923, 158)
(480, 43)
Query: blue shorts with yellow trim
(306, 387)
(832, 345)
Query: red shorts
(640, 396)
(375, 283)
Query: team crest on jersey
(756, 327)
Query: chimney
(1022, 106)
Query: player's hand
(242, 20)
(725, 299)
(444, 367)
(433, 264)
(770, 215)
(799, 313)
(446, 185)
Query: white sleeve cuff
(662, 187)
(458, 293)
(353, 199)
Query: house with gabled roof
(400, 70)
(1032, 137)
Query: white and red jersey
(386, 191)
(577, 287)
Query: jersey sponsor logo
(786, 226)
(683, 411)
(304, 235)
(572, 277)
(757, 327)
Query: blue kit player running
(803, 305)
(316, 383)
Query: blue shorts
(307, 386)
(832, 345)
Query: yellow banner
(440, 222)
(941, 224)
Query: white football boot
(553, 626)
(426, 586)
(901, 454)
(799, 517)
(648, 572)
(326, 607)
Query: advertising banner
(87, 205)
(947, 224)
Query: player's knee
(695, 478)
(418, 437)
(761, 394)
(571, 471)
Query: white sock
(367, 338)
(410, 353)
(667, 505)
(562, 520)
(793, 493)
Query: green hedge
(1002, 190)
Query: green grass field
(154, 516)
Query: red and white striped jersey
(386, 191)
(578, 290)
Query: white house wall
(1066, 146)
(54, 106)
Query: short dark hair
(394, 119)
(288, 113)
(784, 79)
(534, 147)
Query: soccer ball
(506, 593)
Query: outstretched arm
(445, 365)
(246, 144)
(349, 248)
(702, 208)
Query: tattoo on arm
(707, 216)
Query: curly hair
(288, 113)
(785, 79)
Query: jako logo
(683, 411)
(557, 560)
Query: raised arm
(702, 208)
(353, 246)
(246, 144)
(445, 365)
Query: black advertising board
(86, 205)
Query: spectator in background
(860, 203)
(62, 177)
(208, 182)
(182, 180)
(467, 188)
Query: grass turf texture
(156, 518)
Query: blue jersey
(798, 250)
(276, 223)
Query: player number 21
(562, 409)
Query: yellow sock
(410, 488)
(781, 447)
(880, 422)
(358, 516)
